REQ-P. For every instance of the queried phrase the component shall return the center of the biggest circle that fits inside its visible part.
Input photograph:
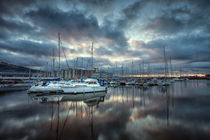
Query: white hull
(75, 90)
(67, 90)
(42, 89)
(91, 86)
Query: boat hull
(69, 90)
(75, 90)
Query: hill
(5, 67)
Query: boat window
(91, 82)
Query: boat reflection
(86, 103)
(47, 98)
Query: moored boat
(70, 87)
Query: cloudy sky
(122, 31)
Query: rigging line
(65, 122)
(65, 56)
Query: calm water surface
(181, 111)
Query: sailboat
(88, 85)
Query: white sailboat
(71, 87)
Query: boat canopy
(90, 80)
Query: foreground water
(181, 111)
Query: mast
(148, 69)
(122, 70)
(126, 69)
(113, 69)
(82, 63)
(59, 50)
(76, 67)
(132, 67)
(140, 72)
(166, 63)
(171, 68)
(116, 68)
(53, 62)
(47, 70)
(82, 69)
(143, 67)
(92, 56)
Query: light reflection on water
(180, 111)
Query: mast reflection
(89, 102)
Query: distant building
(67, 74)
(9, 70)
(101, 75)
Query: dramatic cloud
(122, 31)
(76, 25)
(23, 60)
(28, 47)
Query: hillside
(5, 67)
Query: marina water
(179, 111)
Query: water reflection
(83, 105)
(180, 111)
